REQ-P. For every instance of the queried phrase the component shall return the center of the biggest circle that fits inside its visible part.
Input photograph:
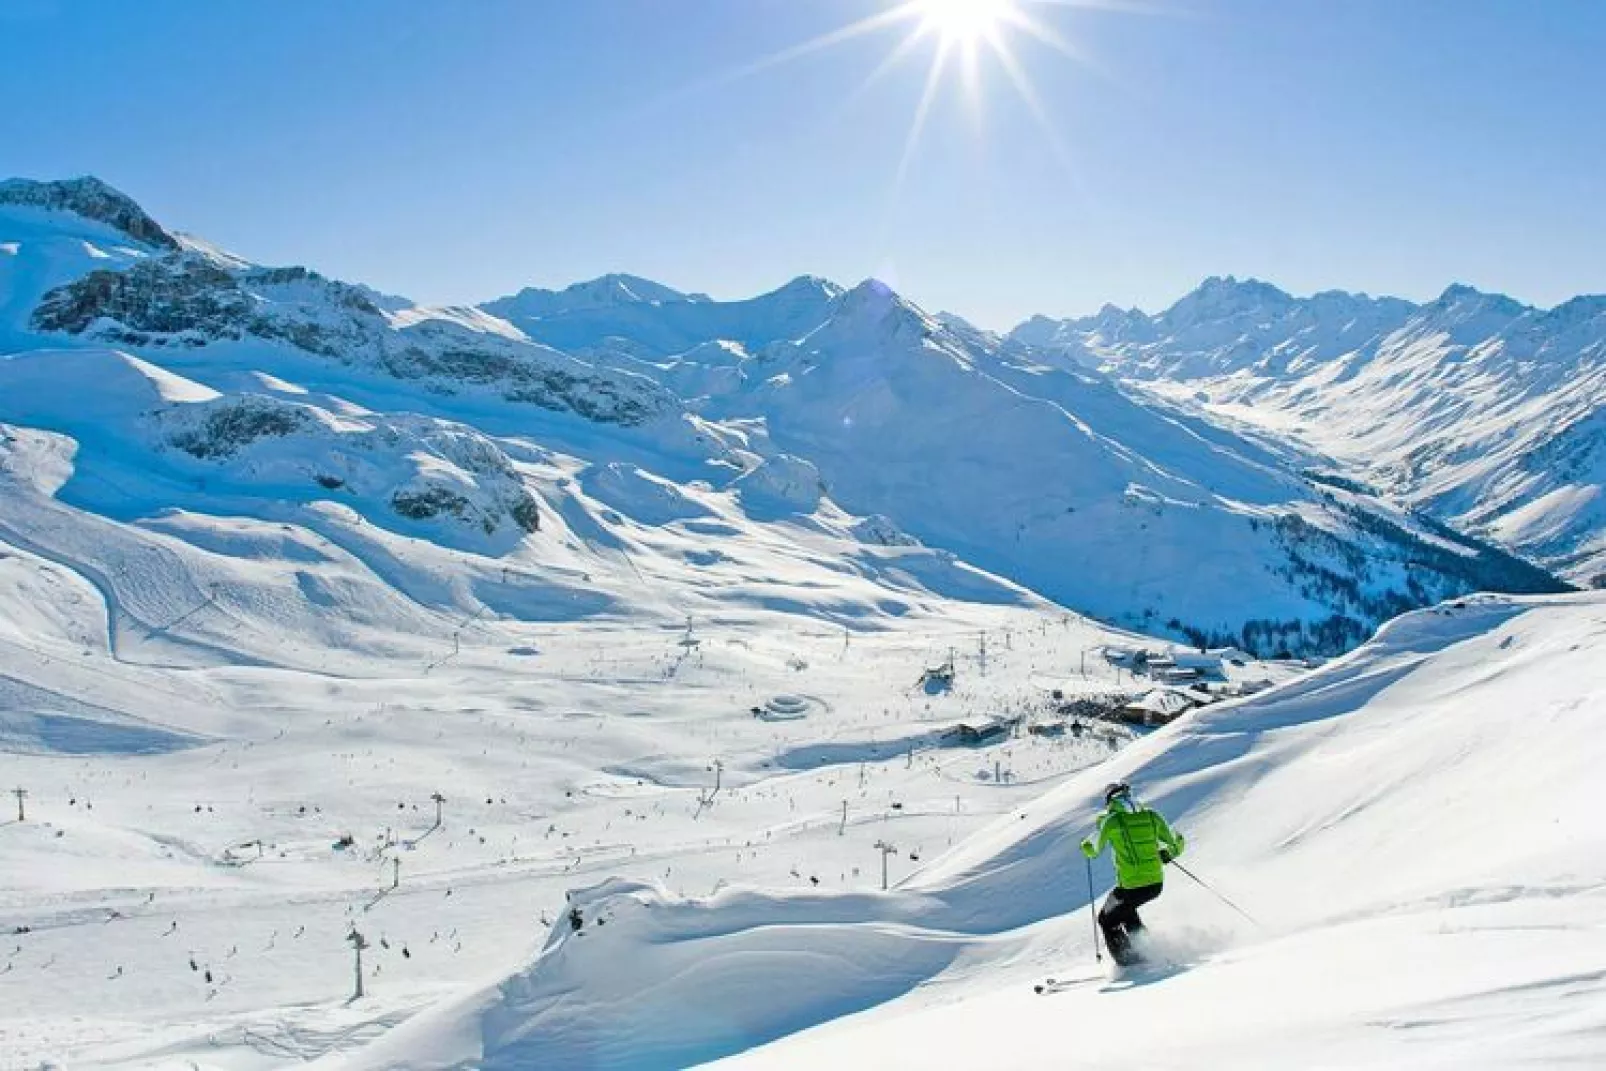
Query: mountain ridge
(1448, 405)
(810, 406)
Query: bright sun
(964, 22)
(966, 34)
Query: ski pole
(1200, 882)
(1098, 953)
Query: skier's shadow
(1147, 974)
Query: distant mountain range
(1484, 412)
(1167, 473)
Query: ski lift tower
(358, 943)
(885, 849)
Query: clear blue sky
(458, 151)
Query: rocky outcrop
(417, 468)
(90, 198)
(229, 428)
(189, 300)
(181, 300)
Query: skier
(1142, 844)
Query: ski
(1059, 985)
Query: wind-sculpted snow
(1434, 790)
(583, 1007)
(642, 496)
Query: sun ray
(970, 79)
(909, 43)
(870, 24)
(967, 37)
(902, 13)
(1034, 104)
(922, 113)
(1120, 7)
(1046, 34)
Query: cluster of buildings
(1182, 681)
(1179, 681)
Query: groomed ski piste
(1415, 829)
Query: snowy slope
(1478, 408)
(1414, 829)
(281, 558)
(205, 707)
(810, 406)
(1038, 473)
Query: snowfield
(203, 832)
(618, 678)
(1414, 829)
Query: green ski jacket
(1135, 834)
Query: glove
(1087, 849)
(1165, 856)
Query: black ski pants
(1118, 918)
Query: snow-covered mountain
(608, 292)
(1067, 484)
(1481, 410)
(585, 697)
(259, 390)
(647, 320)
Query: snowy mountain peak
(1464, 299)
(608, 291)
(871, 291)
(875, 304)
(619, 289)
(809, 287)
(1576, 312)
(91, 199)
(1220, 296)
(964, 329)
(624, 314)
(1459, 292)
(1404, 392)
(818, 282)
(1113, 322)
